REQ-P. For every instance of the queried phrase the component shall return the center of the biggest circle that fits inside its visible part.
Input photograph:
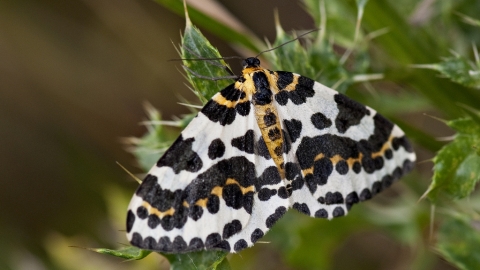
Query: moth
(271, 141)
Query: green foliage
(202, 260)
(458, 69)
(128, 253)
(459, 241)
(457, 167)
(196, 46)
(153, 143)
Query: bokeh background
(74, 77)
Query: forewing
(202, 193)
(342, 152)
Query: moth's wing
(270, 201)
(201, 194)
(341, 153)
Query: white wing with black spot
(202, 193)
(341, 152)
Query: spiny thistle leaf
(456, 169)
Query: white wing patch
(335, 176)
(218, 187)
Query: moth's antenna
(203, 59)
(274, 48)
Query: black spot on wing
(195, 212)
(180, 156)
(322, 213)
(216, 149)
(142, 212)
(284, 79)
(342, 167)
(284, 193)
(262, 149)
(338, 212)
(270, 176)
(302, 208)
(212, 240)
(231, 228)
(195, 244)
(240, 244)
(231, 93)
(320, 121)
(243, 108)
(265, 194)
(303, 90)
(233, 196)
(257, 234)
(219, 113)
(365, 195)
(351, 199)
(402, 141)
(350, 112)
(245, 142)
(164, 244)
(213, 204)
(333, 198)
(294, 129)
(294, 174)
(130, 220)
(179, 243)
(322, 169)
(279, 212)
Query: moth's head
(251, 62)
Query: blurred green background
(74, 76)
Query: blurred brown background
(73, 77)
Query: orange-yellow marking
(218, 191)
(155, 211)
(245, 190)
(387, 145)
(350, 161)
(202, 202)
(228, 103)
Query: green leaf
(196, 46)
(153, 144)
(290, 57)
(469, 20)
(317, 60)
(128, 253)
(459, 242)
(456, 169)
(201, 260)
(458, 69)
(220, 29)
